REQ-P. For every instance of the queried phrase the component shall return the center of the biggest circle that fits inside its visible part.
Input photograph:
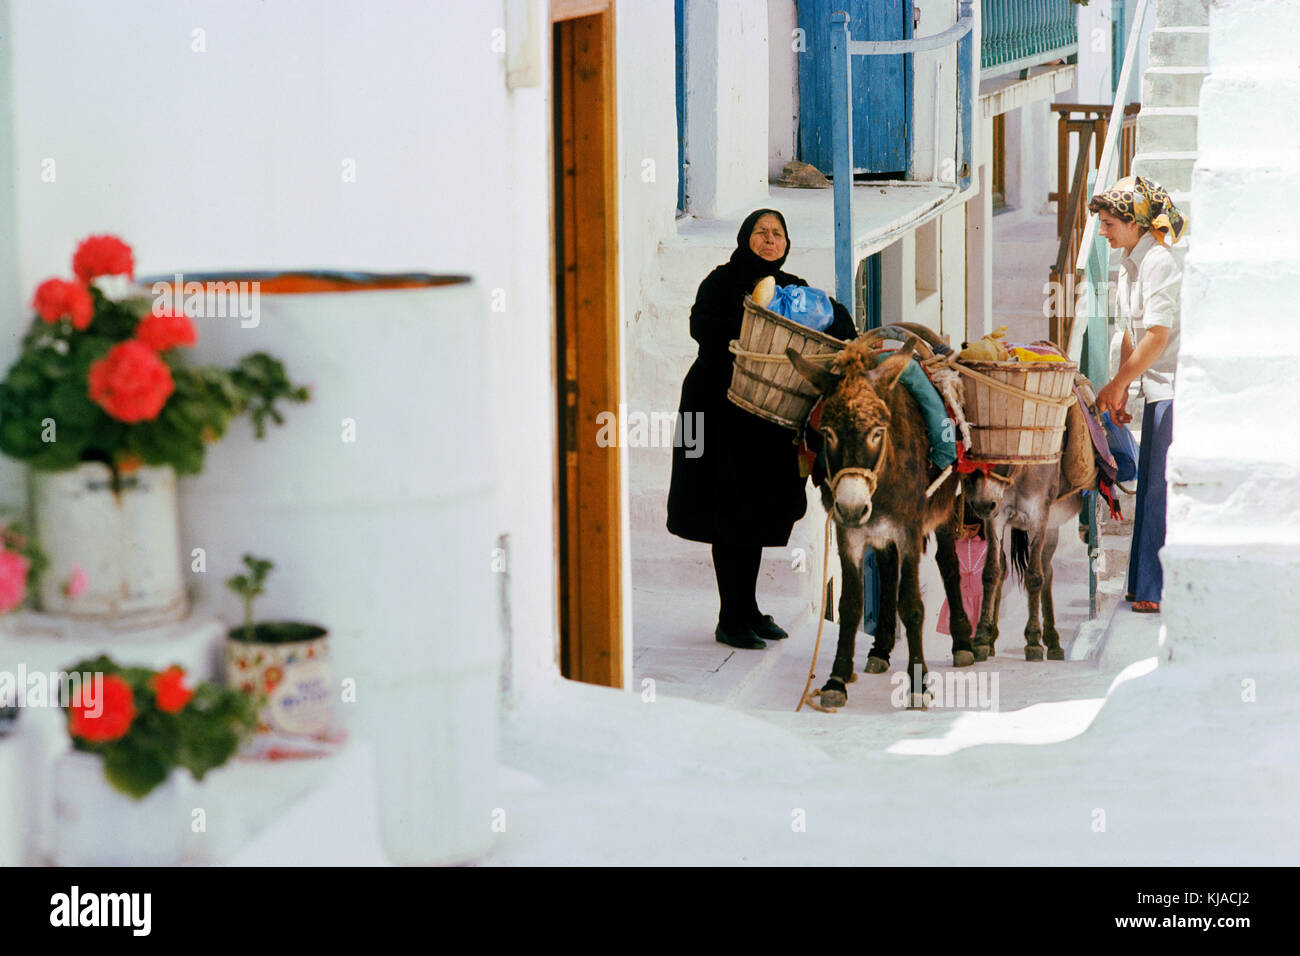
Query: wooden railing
(1068, 126)
(1072, 207)
(1022, 33)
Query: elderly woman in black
(745, 491)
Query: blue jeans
(1145, 576)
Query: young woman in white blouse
(1137, 216)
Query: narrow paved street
(1005, 699)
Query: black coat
(745, 487)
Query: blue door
(882, 87)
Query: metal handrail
(842, 50)
(914, 45)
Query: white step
(1182, 13)
(1241, 200)
(1173, 170)
(1249, 34)
(1234, 111)
(1163, 129)
(1218, 278)
(1172, 85)
(1179, 46)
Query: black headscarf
(715, 317)
(752, 266)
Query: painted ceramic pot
(114, 552)
(96, 824)
(286, 664)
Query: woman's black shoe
(767, 628)
(743, 639)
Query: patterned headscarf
(1145, 202)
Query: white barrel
(125, 541)
(375, 502)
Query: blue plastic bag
(803, 304)
(1122, 447)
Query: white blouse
(1147, 296)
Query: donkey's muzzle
(852, 501)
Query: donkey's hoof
(983, 652)
(833, 695)
(876, 665)
(962, 658)
(918, 701)
(1033, 652)
(1055, 654)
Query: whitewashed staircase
(1171, 87)
(1232, 553)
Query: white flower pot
(127, 542)
(95, 824)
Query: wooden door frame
(589, 597)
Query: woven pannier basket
(762, 380)
(1017, 410)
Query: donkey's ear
(884, 375)
(822, 379)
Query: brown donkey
(1032, 501)
(878, 462)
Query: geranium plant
(102, 379)
(145, 723)
(21, 564)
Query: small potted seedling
(284, 664)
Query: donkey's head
(984, 492)
(854, 423)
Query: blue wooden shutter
(882, 87)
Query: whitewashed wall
(1231, 555)
(647, 111)
(727, 80)
(232, 157)
(783, 86)
(1094, 81)
(934, 110)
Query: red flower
(56, 298)
(166, 330)
(131, 382)
(103, 256)
(271, 678)
(116, 711)
(172, 695)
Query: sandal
(1146, 607)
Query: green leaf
(134, 769)
(71, 406)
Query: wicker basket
(1017, 409)
(762, 380)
